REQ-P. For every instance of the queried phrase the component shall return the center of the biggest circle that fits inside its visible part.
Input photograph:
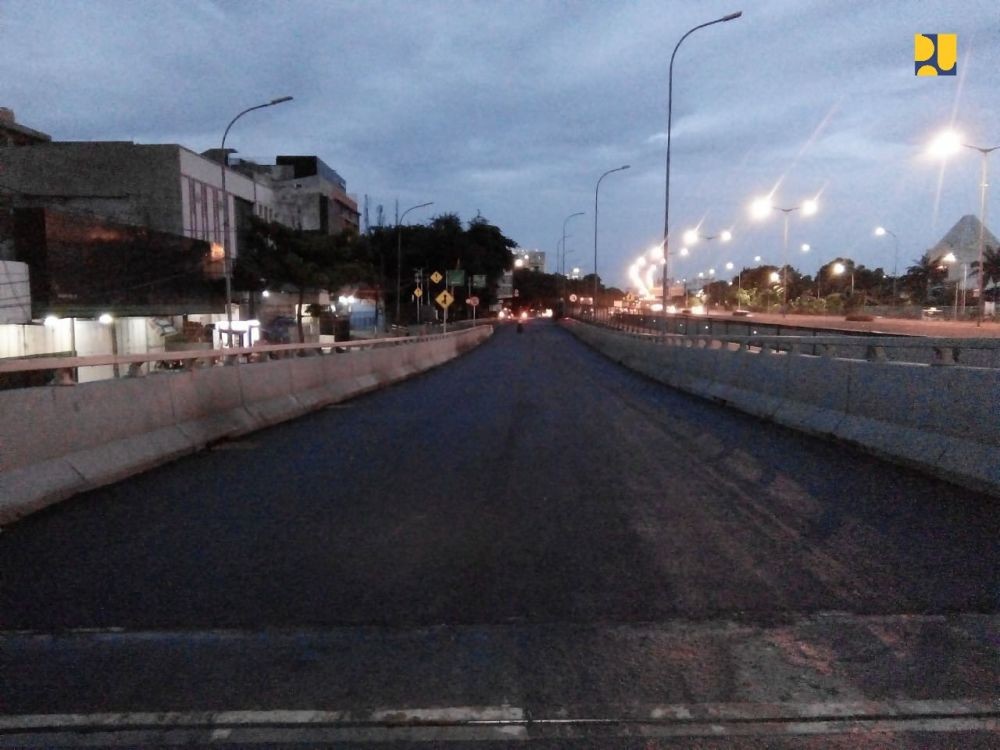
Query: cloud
(515, 109)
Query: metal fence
(703, 332)
(63, 369)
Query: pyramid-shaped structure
(962, 240)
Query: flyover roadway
(530, 528)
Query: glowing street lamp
(806, 247)
(692, 236)
(839, 268)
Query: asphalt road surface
(532, 527)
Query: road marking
(710, 715)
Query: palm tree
(918, 277)
(991, 267)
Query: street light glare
(945, 144)
(809, 207)
(683, 251)
(690, 236)
(775, 277)
(725, 235)
(806, 247)
(756, 259)
(729, 266)
(656, 253)
(839, 268)
(949, 258)
(879, 231)
(761, 208)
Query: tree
(480, 248)
(276, 255)
(991, 268)
(921, 277)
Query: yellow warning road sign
(418, 292)
(436, 277)
(444, 299)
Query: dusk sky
(514, 109)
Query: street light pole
(982, 226)
(399, 254)
(596, 191)
(562, 266)
(226, 253)
(879, 231)
(670, 106)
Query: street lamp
(596, 191)
(881, 232)
(399, 254)
(226, 253)
(761, 209)
(947, 143)
(692, 236)
(839, 268)
(670, 106)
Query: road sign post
(445, 299)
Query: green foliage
(276, 256)
(479, 248)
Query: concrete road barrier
(941, 420)
(56, 442)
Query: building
(962, 240)
(311, 194)
(164, 187)
(14, 134)
(82, 266)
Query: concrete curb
(935, 419)
(56, 442)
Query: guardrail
(63, 368)
(914, 350)
(969, 352)
(689, 324)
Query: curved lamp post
(227, 255)
(596, 191)
(670, 104)
(399, 254)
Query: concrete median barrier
(937, 419)
(56, 442)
